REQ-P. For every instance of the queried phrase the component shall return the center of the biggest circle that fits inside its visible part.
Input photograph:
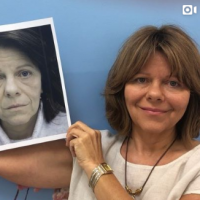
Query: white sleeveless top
(167, 182)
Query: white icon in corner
(189, 9)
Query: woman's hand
(85, 144)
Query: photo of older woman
(31, 98)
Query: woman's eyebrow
(167, 76)
(143, 73)
(26, 65)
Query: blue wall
(89, 34)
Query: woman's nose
(155, 92)
(11, 88)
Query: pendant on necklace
(133, 194)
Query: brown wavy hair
(184, 58)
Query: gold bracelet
(98, 171)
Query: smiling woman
(31, 105)
(152, 98)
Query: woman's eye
(173, 83)
(141, 80)
(24, 74)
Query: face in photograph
(20, 88)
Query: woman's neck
(151, 142)
(147, 148)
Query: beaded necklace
(139, 190)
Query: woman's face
(20, 87)
(155, 100)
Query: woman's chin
(153, 129)
(20, 121)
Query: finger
(79, 132)
(75, 125)
(74, 134)
(67, 143)
(77, 136)
(72, 148)
(80, 125)
(69, 138)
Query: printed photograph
(33, 100)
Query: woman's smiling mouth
(153, 111)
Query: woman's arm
(85, 144)
(46, 165)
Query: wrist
(90, 166)
(89, 169)
(100, 170)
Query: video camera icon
(189, 9)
